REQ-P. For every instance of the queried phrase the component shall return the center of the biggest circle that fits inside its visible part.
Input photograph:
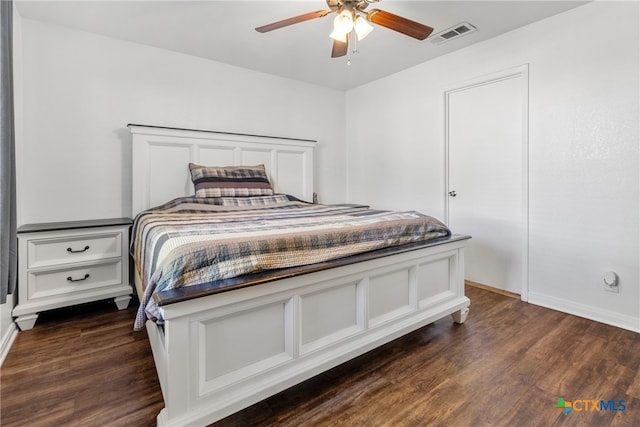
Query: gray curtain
(8, 242)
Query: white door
(486, 128)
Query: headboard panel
(161, 157)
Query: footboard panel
(224, 352)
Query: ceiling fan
(353, 17)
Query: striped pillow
(230, 181)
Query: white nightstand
(66, 263)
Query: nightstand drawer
(70, 249)
(75, 280)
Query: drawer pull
(71, 251)
(86, 276)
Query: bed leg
(460, 316)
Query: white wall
(584, 159)
(81, 90)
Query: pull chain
(354, 41)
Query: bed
(229, 341)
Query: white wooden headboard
(160, 159)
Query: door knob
(453, 193)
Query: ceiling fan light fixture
(352, 17)
(362, 27)
(338, 35)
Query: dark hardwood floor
(506, 366)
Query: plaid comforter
(194, 240)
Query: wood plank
(506, 366)
(492, 289)
(81, 365)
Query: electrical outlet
(610, 282)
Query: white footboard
(221, 353)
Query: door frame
(521, 72)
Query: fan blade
(291, 21)
(399, 24)
(339, 48)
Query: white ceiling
(224, 31)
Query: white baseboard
(588, 312)
(7, 341)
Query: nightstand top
(68, 225)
